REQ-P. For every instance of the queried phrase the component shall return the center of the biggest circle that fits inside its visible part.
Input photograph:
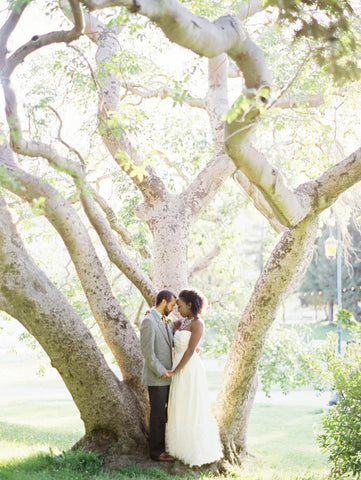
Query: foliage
(333, 29)
(344, 317)
(285, 361)
(340, 435)
(250, 99)
(74, 464)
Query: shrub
(340, 434)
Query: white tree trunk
(105, 404)
(169, 221)
(283, 270)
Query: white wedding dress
(191, 432)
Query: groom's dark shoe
(164, 457)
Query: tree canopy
(134, 133)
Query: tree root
(113, 456)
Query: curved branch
(325, 190)
(113, 135)
(30, 148)
(9, 26)
(209, 39)
(258, 201)
(115, 252)
(61, 140)
(110, 317)
(162, 93)
(39, 41)
(288, 208)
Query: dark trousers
(158, 398)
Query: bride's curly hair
(197, 300)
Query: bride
(191, 431)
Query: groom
(156, 345)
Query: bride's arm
(197, 332)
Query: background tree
(319, 283)
(67, 191)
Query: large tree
(114, 412)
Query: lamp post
(332, 249)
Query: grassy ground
(35, 429)
(281, 438)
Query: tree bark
(116, 328)
(105, 403)
(169, 221)
(284, 268)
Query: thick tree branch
(250, 8)
(325, 190)
(9, 26)
(258, 201)
(115, 252)
(28, 295)
(113, 135)
(288, 208)
(209, 179)
(198, 195)
(209, 39)
(110, 317)
(283, 270)
(39, 41)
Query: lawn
(36, 432)
(38, 421)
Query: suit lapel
(163, 329)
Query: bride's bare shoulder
(198, 323)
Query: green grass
(281, 438)
(283, 441)
(34, 432)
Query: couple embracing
(181, 423)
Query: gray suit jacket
(156, 345)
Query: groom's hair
(164, 295)
(195, 298)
